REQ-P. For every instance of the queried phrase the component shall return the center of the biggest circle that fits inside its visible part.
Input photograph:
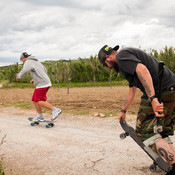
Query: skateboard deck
(157, 160)
(48, 125)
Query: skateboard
(48, 125)
(157, 160)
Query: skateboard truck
(158, 129)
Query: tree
(12, 72)
(67, 76)
(83, 70)
(167, 55)
(94, 62)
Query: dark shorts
(146, 119)
(40, 94)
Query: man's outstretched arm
(128, 101)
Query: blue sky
(69, 29)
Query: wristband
(123, 111)
(152, 98)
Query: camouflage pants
(146, 118)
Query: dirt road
(81, 145)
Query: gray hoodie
(37, 70)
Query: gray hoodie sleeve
(26, 69)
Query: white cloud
(147, 35)
(73, 28)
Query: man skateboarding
(41, 82)
(141, 71)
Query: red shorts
(40, 94)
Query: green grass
(20, 85)
(1, 142)
(78, 112)
(132, 112)
(20, 105)
(112, 114)
(4, 83)
(1, 170)
(71, 85)
(44, 110)
(97, 84)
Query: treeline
(62, 71)
(82, 70)
(167, 55)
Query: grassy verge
(1, 170)
(1, 167)
(71, 85)
(20, 105)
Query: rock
(96, 114)
(102, 115)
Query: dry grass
(84, 100)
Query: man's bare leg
(172, 147)
(38, 108)
(165, 150)
(45, 104)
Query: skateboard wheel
(51, 124)
(153, 167)
(47, 126)
(32, 124)
(123, 136)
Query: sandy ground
(77, 145)
(89, 99)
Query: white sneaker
(39, 119)
(55, 113)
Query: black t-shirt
(127, 60)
